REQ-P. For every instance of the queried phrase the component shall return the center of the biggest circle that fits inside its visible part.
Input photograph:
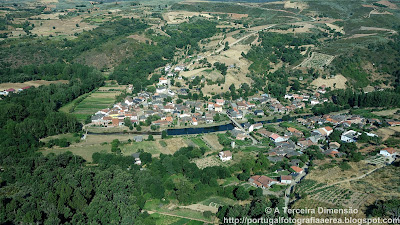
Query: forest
(149, 57)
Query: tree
(138, 127)
(127, 122)
(257, 193)
(164, 134)
(153, 127)
(145, 157)
(150, 138)
(241, 193)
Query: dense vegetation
(361, 99)
(45, 50)
(149, 57)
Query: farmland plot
(317, 61)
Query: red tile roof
(297, 169)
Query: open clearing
(140, 38)
(338, 82)
(177, 17)
(101, 143)
(173, 145)
(317, 60)
(212, 140)
(331, 175)
(236, 75)
(207, 162)
(386, 132)
(54, 26)
(388, 4)
(389, 112)
(35, 83)
(95, 102)
(377, 29)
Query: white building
(388, 152)
(286, 179)
(225, 156)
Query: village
(282, 135)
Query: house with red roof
(225, 155)
(276, 138)
(162, 81)
(297, 169)
(388, 152)
(286, 179)
(262, 181)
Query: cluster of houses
(146, 105)
(12, 90)
(138, 108)
(266, 182)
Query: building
(286, 179)
(262, 181)
(136, 156)
(297, 169)
(334, 145)
(388, 152)
(225, 156)
(259, 112)
(276, 138)
(349, 136)
(162, 81)
(255, 126)
(217, 108)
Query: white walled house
(225, 156)
(286, 179)
(388, 152)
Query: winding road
(240, 39)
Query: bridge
(238, 125)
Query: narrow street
(295, 181)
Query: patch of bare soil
(360, 35)
(207, 162)
(200, 208)
(388, 4)
(141, 38)
(386, 132)
(338, 82)
(55, 26)
(335, 174)
(173, 145)
(295, 5)
(235, 75)
(176, 17)
(35, 83)
(212, 139)
(378, 29)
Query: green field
(93, 103)
(218, 200)
(171, 220)
(147, 146)
(156, 206)
(199, 142)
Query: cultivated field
(173, 145)
(35, 83)
(176, 17)
(95, 102)
(335, 174)
(207, 162)
(56, 27)
(317, 60)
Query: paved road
(237, 124)
(295, 181)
